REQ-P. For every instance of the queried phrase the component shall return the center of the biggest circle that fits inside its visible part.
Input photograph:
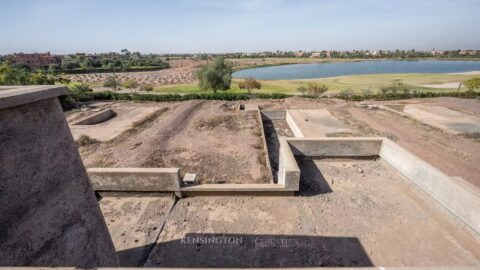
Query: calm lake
(309, 71)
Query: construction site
(288, 183)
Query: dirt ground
(348, 213)
(212, 139)
(455, 155)
(180, 72)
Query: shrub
(397, 86)
(146, 88)
(80, 87)
(472, 84)
(85, 140)
(313, 89)
(346, 94)
(302, 90)
(111, 82)
(249, 84)
(130, 84)
(215, 76)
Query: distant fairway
(357, 83)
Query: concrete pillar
(49, 215)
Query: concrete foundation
(314, 123)
(135, 179)
(49, 213)
(104, 131)
(97, 118)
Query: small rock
(360, 170)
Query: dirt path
(452, 154)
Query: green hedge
(395, 96)
(69, 102)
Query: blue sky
(192, 26)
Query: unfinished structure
(330, 201)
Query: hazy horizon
(214, 26)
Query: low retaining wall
(288, 170)
(461, 199)
(274, 115)
(264, 144)
(336, 147)
(97, 118)
(135, 179)
(293, 125)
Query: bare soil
(455, 155)
(349, 213)
(180, 72)
(212, 139)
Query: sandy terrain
(134, 224)
(342, 217)
(449, 85)
(455, 155)
(212, 139)
(181, 72)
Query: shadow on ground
(265, 251)
(312, 181)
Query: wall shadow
(273, 146)
(263, 251)
(312, 181)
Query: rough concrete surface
(454, 155)
(451, 121)
(135, 179)
(49, 214)
(111, 129)
(134, 224)
(349, 213)
(316, 123)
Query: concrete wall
(336, 147)
(49, 215)
(264, 144)
(97, 118)
(293, 126)
(135, 179)
(288, 170)
(461, 200)
(274, 115)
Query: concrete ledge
(274, 115)
(135, 179)
(293, 126)
(288, 170)
(336, 147)
(14, 96)
(235, 190)
(460, 199)
(96, 118)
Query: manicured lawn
(336, 84)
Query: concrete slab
(114, 127)
(451, 121)
(134, 224)
(314, 123)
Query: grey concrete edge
(458, 198)
(16, 96)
